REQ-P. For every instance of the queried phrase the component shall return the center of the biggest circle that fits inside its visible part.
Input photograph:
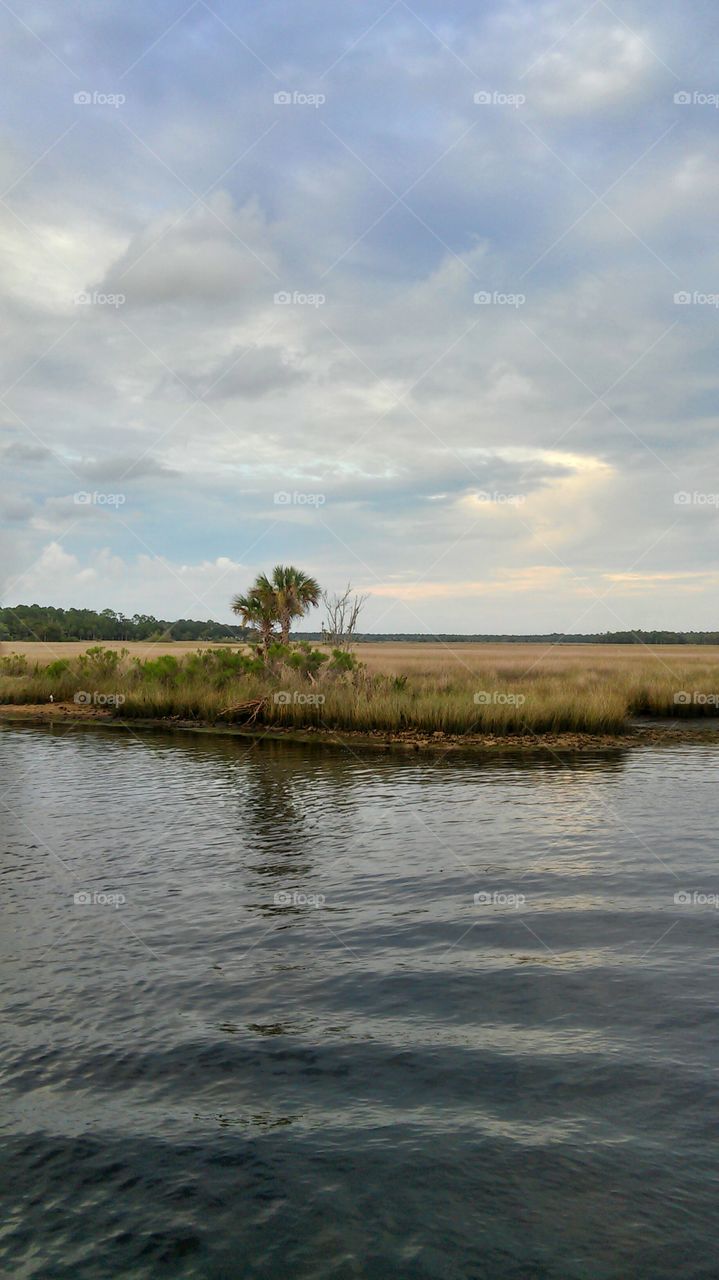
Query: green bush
(164, 669)
(343, 661)
(14, 664)
(100, 663)
(221, 665)
(55, 669)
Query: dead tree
(342, 615)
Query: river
(284, 1011)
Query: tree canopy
(45, 622)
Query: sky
(424, 297)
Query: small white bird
(52, 698)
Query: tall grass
(499, 698)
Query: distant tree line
(43, 622)
(556, 637)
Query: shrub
(165, 669)
(14, 664)
(343, 661)
(55, 669)
(301, 658)
(100, 663)
(221, 665)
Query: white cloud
(171, 588)
(599, 63)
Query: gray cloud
(213, 254)
(19, 452)
(14, 508)
(124, 467)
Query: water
(369, 1075)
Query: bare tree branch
(342, 615)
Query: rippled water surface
(299, 1048)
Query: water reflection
(271, 819)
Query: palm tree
(257, 608)
(288, 594)
(295, 594)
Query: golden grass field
(400, 688)
(433, 659)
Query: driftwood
(249, 711)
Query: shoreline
(637, 734)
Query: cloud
(214, 253)
(598, 64)
(123, 467)
(249, 373)
(15, 508)
(61, 578)
(399, 398)
(19, 452)
(535, 578)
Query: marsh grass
(595, 692)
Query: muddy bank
(637, 733)
(65, 712)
